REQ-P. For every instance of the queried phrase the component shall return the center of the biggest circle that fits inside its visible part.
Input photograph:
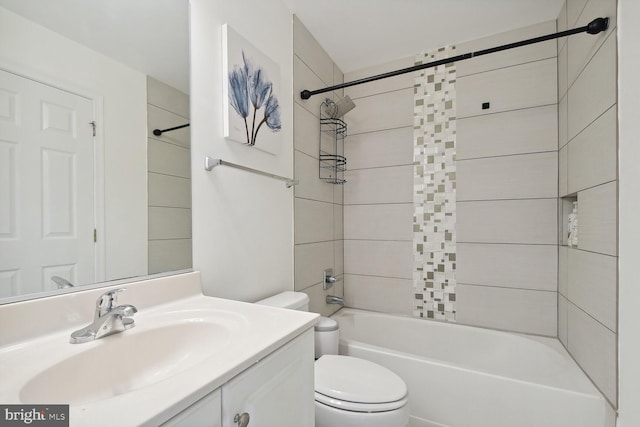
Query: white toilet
(349, 392)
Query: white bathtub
(462, 376)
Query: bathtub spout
(332, 299)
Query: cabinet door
(277, 391)
(204, 413)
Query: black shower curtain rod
(158, 132)
(594, 27)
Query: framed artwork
(250, 94)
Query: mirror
(88, 194)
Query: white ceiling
(360, 33)
(152, 35)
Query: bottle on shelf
(572, 227)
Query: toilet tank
(326, 330)
(289, 299)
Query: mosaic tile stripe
(434, 232)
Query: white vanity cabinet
(204, 413)
(275, 392)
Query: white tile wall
(169, 223)
(306, 131)
(338, 193)
(563, 82)
(563, 319)
(169, 183)
(168, 159)
(508, 177)
(511, 309)
(595, 89)
(529, 130)
(592, 285)
(391, 221)
(563, 121)
(574, 9)
(511, 266)
(582, 48)
(166, 97)
(338, 222)
(562, 25)
(588, 165)
(307, 49)
(563, 171)
(310, 261)
(165, 190)
(381, 86)
(313, 221)
(508, 221)
(338, 77)
(338, 256)
(379, 258)
(378, 195)
(379, 185)
(377, 149)
(389, 110)
(169, 255)
(305, 78)
(309, 185)
(317, 298)
(563, 270)
(318, 216)
(507, 58)
(158, 118)
(521, 86)
(594, 348)
(593, 153)
(383, 294)
(597, 219)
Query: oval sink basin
(126, 361)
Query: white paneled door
(46, 186)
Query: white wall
(35, 51)
(242, 223)
(629, 208)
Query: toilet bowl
(349, 392)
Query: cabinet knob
(241, 419)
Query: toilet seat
(357, 385)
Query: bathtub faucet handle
(328, 279)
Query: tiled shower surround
(548, 137)
(434, 219)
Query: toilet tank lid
(288, 299)
(326, 324)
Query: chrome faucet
(61, 282)
(109, 319)
(332, 299)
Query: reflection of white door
(46, 186)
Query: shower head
(335, 110)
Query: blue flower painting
(251, 96)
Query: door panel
(46, 186)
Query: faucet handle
(107, 302)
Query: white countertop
(254, 331)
